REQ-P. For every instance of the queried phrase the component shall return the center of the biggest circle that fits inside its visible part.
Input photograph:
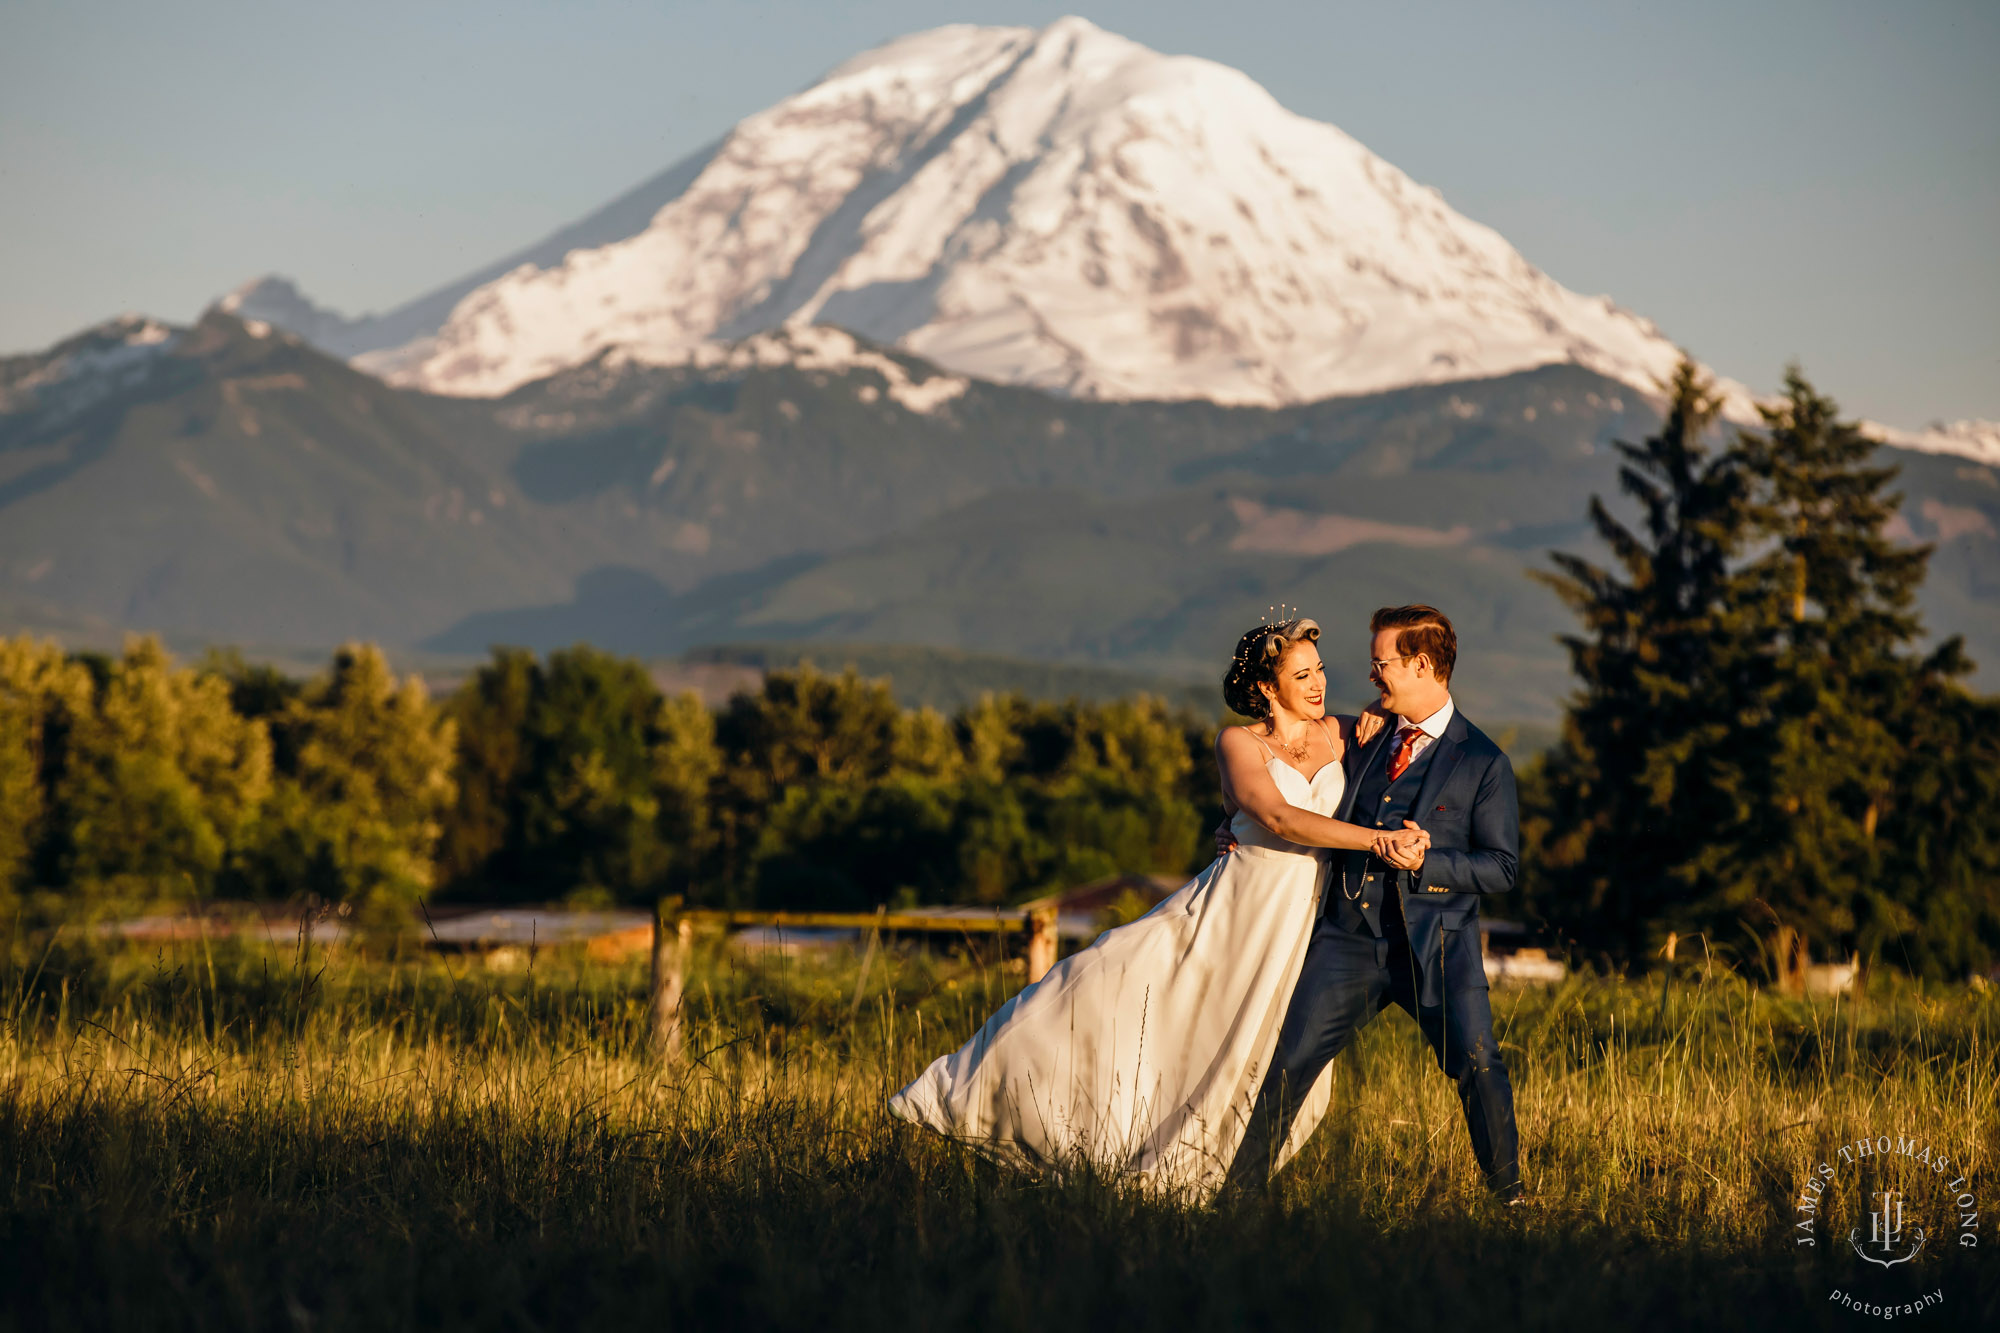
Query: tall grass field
(261, 1135)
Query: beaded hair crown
(1279, 635)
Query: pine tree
(1623, 807)
(1941, 834)
(1759, 746)
(1828, 743)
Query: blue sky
(1768, 181)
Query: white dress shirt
(1428, 730)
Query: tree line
(135, 781)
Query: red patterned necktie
(1406, 744)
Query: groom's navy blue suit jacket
(1468, 806)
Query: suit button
(1365, 904)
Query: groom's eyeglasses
(1377, 663)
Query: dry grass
(242, 1137)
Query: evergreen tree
(1759, 745)
(1941, 836)
(1828, 744)
(1624, 810)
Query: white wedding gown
(1145, 1051)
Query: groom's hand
(1405, 850)
(1225, 841)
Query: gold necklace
(1298, 751)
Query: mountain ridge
(230, 483)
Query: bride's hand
(1405, 843)
(1370, 723)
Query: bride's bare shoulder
(1241, 745)
(1234, 738)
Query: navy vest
(1364, 881)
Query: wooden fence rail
(673, 937)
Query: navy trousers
(1349, 978)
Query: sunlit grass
(256, 1136)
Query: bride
(1143, 1053)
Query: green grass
(236, 1136)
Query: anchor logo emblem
(1885, 1233)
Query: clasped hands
(1404, 848)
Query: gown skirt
(1143, 1054)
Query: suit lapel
(1446, 752)
(1367, 759)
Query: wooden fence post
(1041, 943)
(1789, 947)
(673, 934)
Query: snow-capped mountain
(1977, 440)
(53, 387)
(1060, 208)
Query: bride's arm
(1247, 784)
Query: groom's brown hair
(1421, 630)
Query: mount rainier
(1058, 208)
(1031, 343)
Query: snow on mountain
(818, 347)
(1977, 440)
(75, 374)
(1060, 208)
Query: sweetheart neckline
(1331, 763)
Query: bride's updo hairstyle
(1256, 663)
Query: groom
(1406, 930)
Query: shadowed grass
(242, 1136)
